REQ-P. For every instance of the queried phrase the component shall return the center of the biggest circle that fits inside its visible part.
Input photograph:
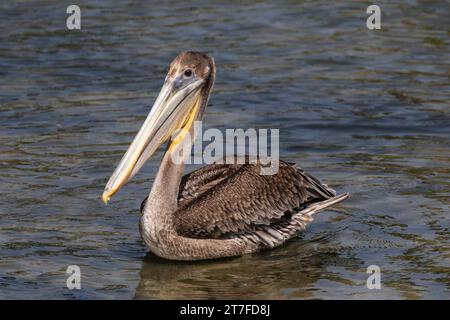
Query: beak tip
(106, 197)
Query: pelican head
(181, 101)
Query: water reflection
(288, 272)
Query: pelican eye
(188, 73)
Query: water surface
(365, 111)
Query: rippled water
(365, 111)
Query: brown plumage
(252, 200)
(235, 202)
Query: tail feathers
(274, 235)
(319, 206)
(332, 191)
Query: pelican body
(220, 210)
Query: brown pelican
(220, 210)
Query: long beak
(175, 104)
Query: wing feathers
(220, 201)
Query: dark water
(365, 111)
